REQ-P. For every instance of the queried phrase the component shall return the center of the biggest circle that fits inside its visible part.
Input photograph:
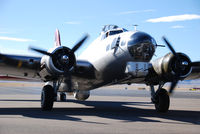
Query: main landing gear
(47, 98)
(49, 95)
(160, 98)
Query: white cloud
(177, 26)
(183, 17)
(15, 39)
(136, 11)
(73, 22)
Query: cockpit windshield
(109, 30)
(109, 27)
(115, 32)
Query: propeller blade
(197, 63)
(178, 73)
(170, 47)
(79, 44)
(173, 85)
(40, 51)
(68, 72)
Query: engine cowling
(81, 95)
(60, 61)
(168, 66)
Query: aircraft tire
(47, 98)
(63, 97)
(162, 101)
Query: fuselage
(109, 55)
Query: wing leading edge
(29, 67)
(20, 66)
(195, 74)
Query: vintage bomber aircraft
(117, 56)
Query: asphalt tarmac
(109, 110)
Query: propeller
(196, 63)
(65, 57)
(177, 75)
(179, 64)
(75, 48)
(40, 51)
(171, 48)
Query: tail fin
(57, 38)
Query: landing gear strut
(161, 99)
(49, 95)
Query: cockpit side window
(125, 30)
(123, 43)
(107, 34)
(113, 45)
(107, 47)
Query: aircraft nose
(141, 46)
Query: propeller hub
(184, 63)
(65, 59)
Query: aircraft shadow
(106, 109)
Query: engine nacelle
(60, 61)
(81, 95)
(168, 66)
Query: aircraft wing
(84, 69)
(195, 74)
(20, 66)
(29, 67)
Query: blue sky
(33, 22)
